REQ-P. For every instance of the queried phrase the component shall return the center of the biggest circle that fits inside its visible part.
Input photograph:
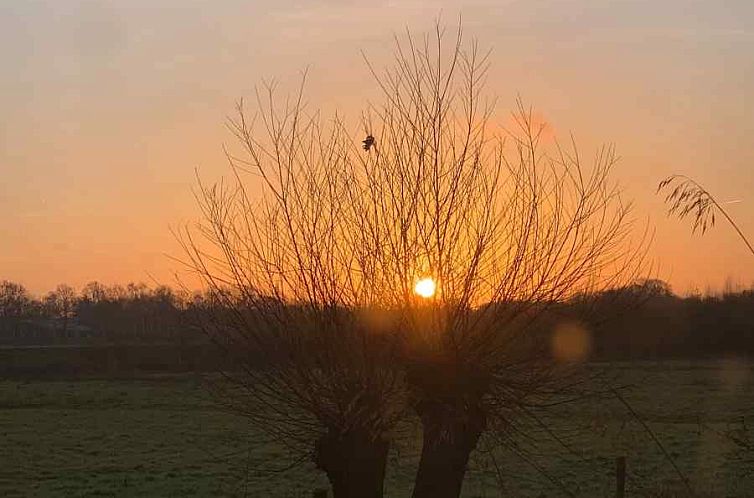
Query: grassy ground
(162, 436)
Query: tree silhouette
(15, 304)
(296, 297)
(61, 304)
(316, 273)
(507, 228)
(14, 299)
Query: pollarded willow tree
(508, 231)
(296, 295)
(314, 272)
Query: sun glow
(425, 287)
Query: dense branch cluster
(316, 244)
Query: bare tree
(14, 299)
(61, 304)
(15, 304)
(94, 292)
(313, 279)
(506, 229)
(296, 302)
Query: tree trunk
(450, 434)
(354, 464)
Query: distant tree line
(96, 314)
(643, 321)
(664, 325)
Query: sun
(425, 287)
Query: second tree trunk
(450, 434)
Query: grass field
(162, 436)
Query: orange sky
(108, 107)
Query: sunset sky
(109, 107)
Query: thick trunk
(354, 464)
(450, 435)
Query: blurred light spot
(376, 320)
(571, 342)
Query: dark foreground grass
(162, 436)
(151, 437)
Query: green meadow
(164, 436)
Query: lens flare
(571, 342)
